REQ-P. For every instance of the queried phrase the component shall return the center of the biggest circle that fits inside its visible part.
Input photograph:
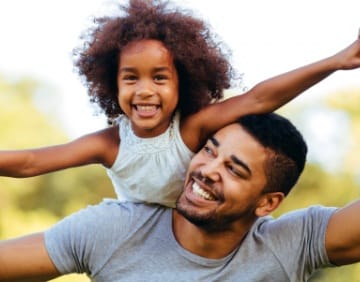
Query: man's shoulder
(114, 216)
(111, 217)
(293, 219)
(282, 243)
(115, 208)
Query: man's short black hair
(287, 149)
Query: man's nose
(211, 170)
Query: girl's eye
(129, 77)
(160, 77)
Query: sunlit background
(267, 38)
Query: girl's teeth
(146, 108)
(200, 192)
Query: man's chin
(200, 220)
(210, 221)
(204, 217)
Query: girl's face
(148, 86)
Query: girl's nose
(144, 90)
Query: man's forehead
(234, 137)
(231, 131)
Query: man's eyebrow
(214, 141)
(236, 160)
(240, 163)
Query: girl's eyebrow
(162, 69)
(132, 69)
(124, 69)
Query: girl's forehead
(140, 46)
(146, 53)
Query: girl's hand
(349, 58)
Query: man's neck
(208, 244)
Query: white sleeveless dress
(150, 170)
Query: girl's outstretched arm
(273, 93)
(98, 147)
(266, 96)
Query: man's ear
(268, 203)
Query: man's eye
(233, 170)
(208, 150)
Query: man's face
(225, 180)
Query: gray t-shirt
(132, 242)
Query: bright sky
(267, 38)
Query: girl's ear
(268, 203)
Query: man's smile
(201, 192)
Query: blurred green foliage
(33, 204)
(318, 186)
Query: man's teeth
(200, 192)
(146, 108)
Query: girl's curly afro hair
(202, 65)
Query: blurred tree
(348, 101)
(33, 204)
(335, 188)
(53, 195)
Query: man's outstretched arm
(26, 259)
(343, 235)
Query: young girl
(156, 72)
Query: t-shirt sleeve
(82, 242)
(298, 239)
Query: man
(220, 230)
